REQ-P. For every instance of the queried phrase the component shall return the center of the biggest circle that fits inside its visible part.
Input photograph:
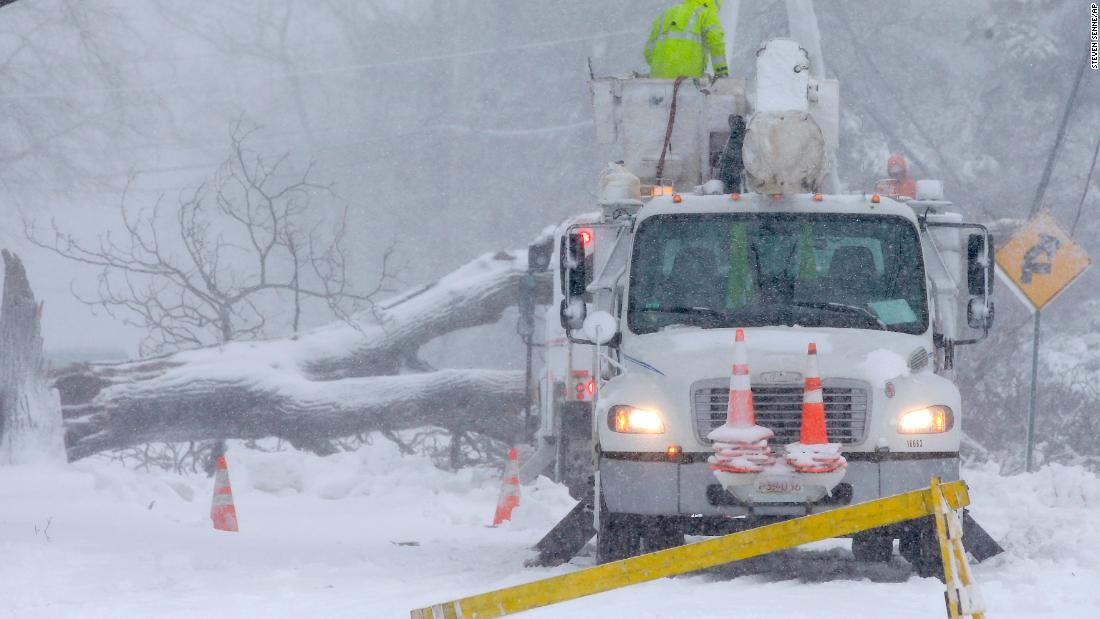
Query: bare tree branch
(237, 242)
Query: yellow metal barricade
(963, 597)
(708, 553)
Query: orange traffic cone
(813, 404)
(222, 511)
(509, 491)
(739, 412)
(740, 446)
(814, 453)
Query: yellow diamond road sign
(1041, 261)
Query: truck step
(567, 538)
(977, 542)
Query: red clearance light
(818, 197)
(777, 196)
(677, 198)
(875, 199)
(586, 237)
(591, 387)
(735, 197)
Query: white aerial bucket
(785, 150)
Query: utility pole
(802, 26)
(1059, 139)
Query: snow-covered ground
(375, 534)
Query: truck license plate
(778, 485)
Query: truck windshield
(750, 270)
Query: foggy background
(461, 127)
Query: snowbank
(375, 533)
(355, 534)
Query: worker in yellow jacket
(682, 38)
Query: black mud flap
(567, 538)
(977, 542)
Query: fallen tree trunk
(303, 413)
(475, 294)
(334, 381)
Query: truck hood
(776, 354)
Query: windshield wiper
(676, 309)
(841, 307)
(682, 309)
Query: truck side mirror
(601, 327)
(574, 269)
(576, 266)
(979, 315)
(574, 262)
(979, 265)
(572, 313)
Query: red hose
(668, 129)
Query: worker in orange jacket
(898, 170)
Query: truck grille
(779, 408)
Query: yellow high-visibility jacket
(681, 38)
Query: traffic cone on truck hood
(813, 403)
(509, 491)
(222, 511)
(740, 446)
(814, 453)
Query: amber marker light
(673, 452)
(677, 198)
(875, 199)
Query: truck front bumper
(648, 484)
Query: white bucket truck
(649, 292)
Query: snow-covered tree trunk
(30, 411)
(331, 382)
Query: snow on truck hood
(873, 356)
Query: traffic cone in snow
(222, 511)
(509, 491)
(740, 446)
(813, 453)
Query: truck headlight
(631, 420)
(929, 420)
